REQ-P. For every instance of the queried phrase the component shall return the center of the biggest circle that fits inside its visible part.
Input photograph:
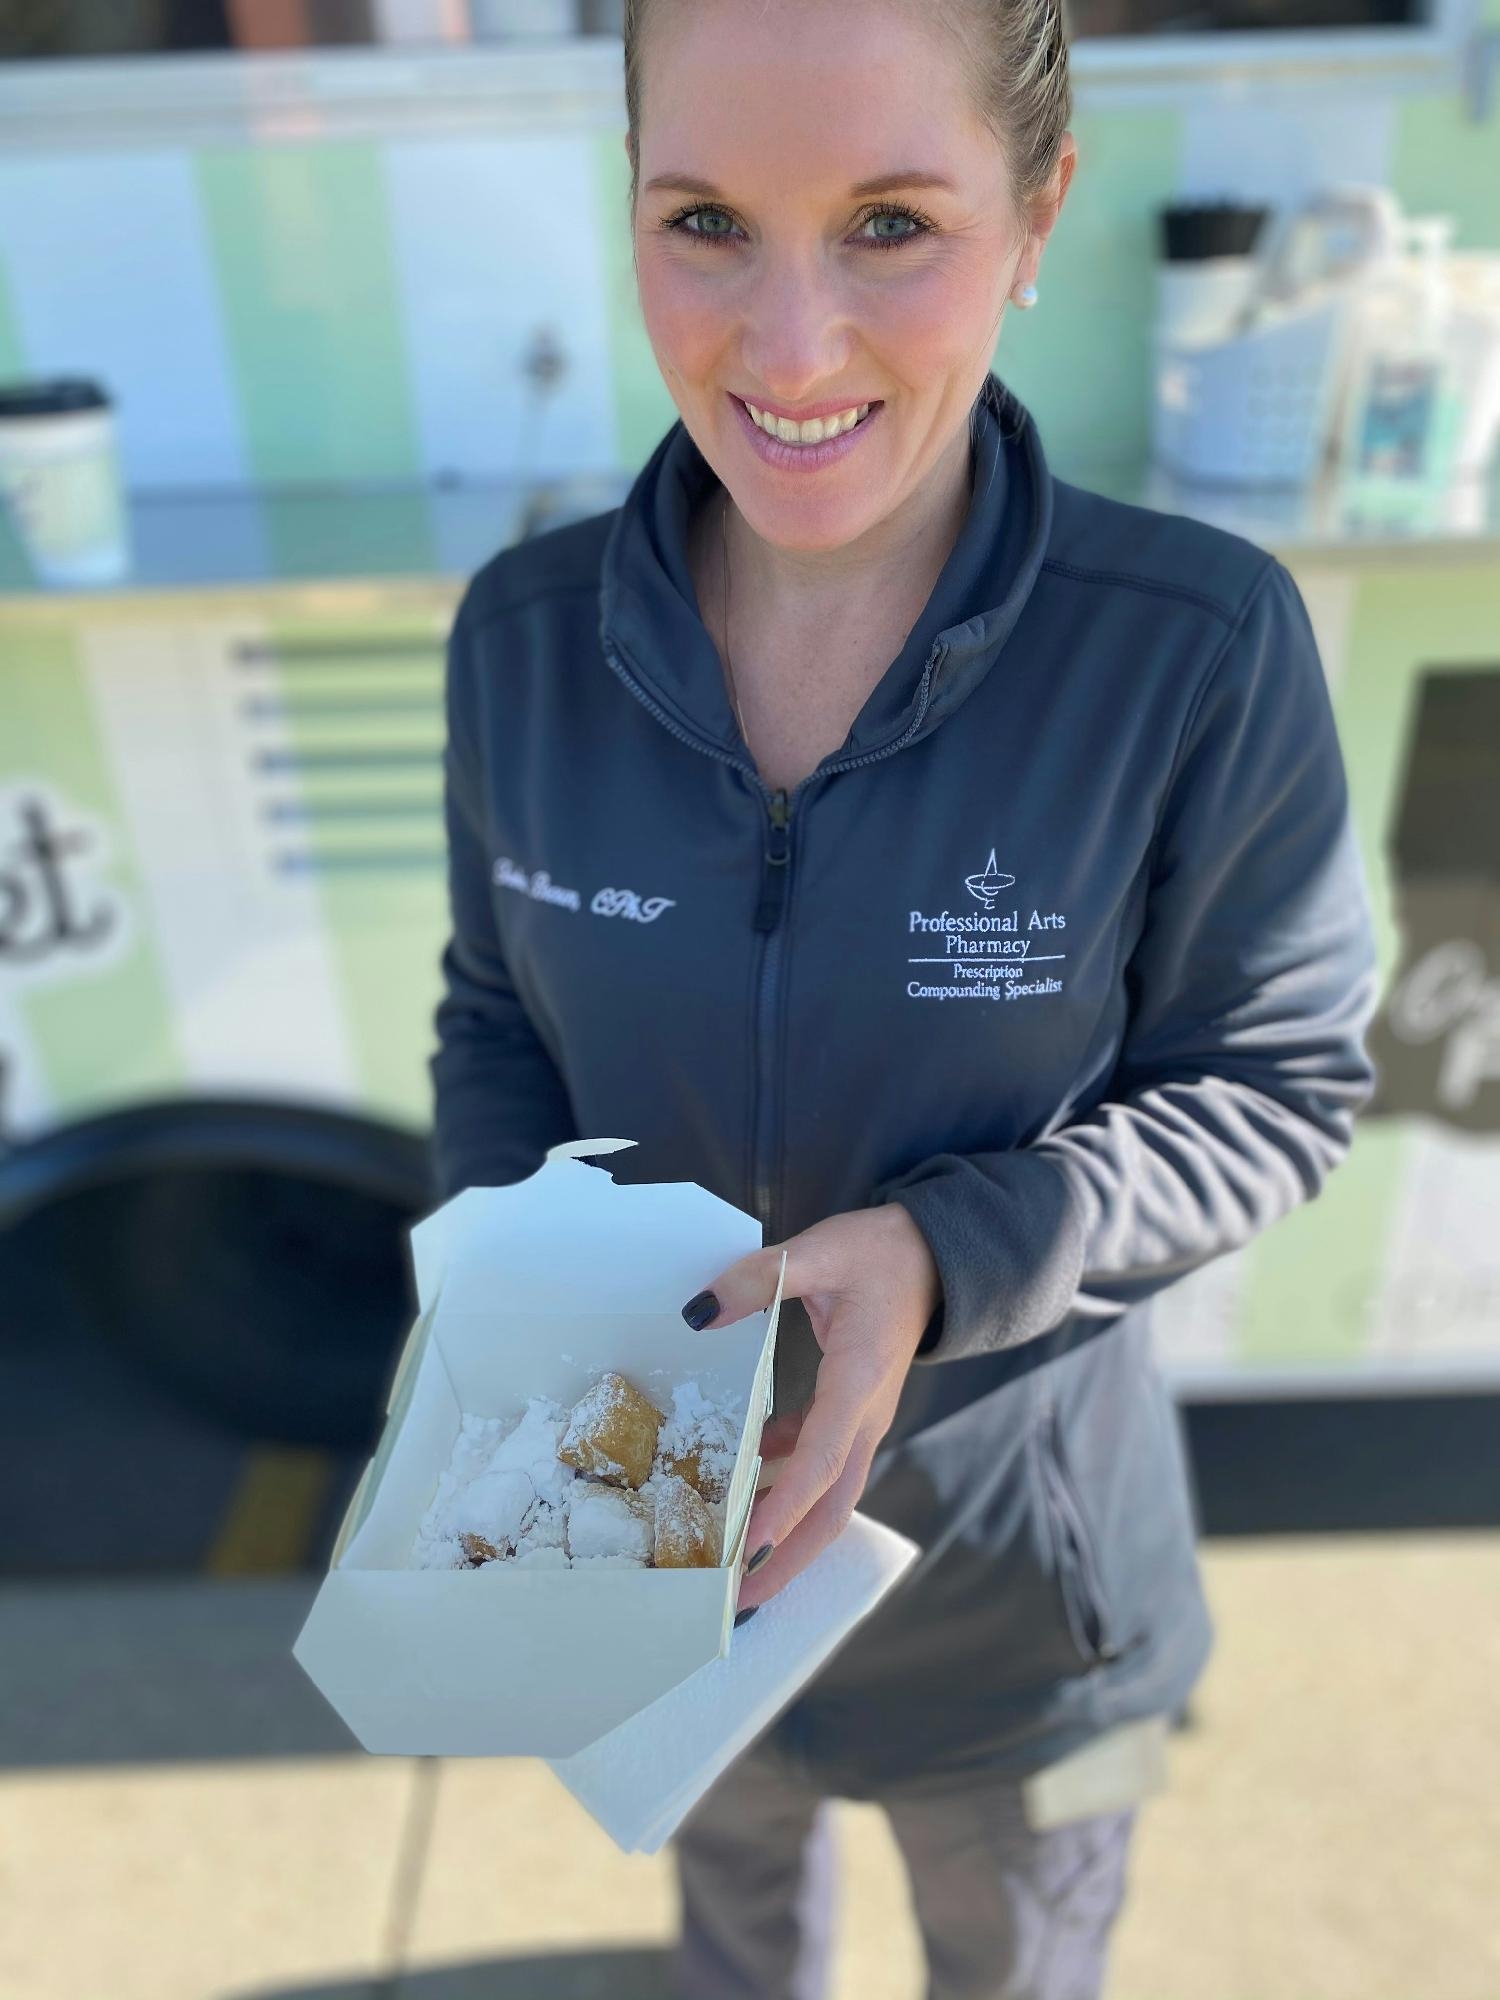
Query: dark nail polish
(743, 1617)
(700, 1309)
(760, 1556)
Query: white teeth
(816, 431)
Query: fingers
(824, 1521)
(746, 1286)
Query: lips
(802, 460)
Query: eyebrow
(881, 183)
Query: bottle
(1403, 404)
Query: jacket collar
(649, 610)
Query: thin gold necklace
(728, 668)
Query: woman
(944, 863)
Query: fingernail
(758, 1558)
(743, 1617)
(700, 1309)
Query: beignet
(698, 1441)
(686, 1531)
(612, 1432)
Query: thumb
(746, 1286)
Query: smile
(809, 447)
(812, 432)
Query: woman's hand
(869, 1284)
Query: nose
(797, 328)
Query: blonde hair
(1015, 59)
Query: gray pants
(1006, 1912)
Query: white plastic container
(60, 480)
(1258, 405)
(1254, 410)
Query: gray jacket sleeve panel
(498, 1100)
(1243, 1064)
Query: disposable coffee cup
(60, 480)
(1205, 271)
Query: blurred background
(307, 307)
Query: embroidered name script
(541, 888)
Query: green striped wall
(381, 882)
(312, 310)
(105, 1034)
(300, 239)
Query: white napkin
(641, 1779)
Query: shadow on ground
(582, 1975)
(183, 1669)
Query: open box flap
(747, 1463)
(651, 1244)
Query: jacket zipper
(1086, 1588)
(770, 908)
(775, 870)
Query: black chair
(250, 1254)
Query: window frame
(382, 92)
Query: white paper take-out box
(535, 1289)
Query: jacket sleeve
(498, 1100)
(1242, 1067)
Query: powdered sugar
(549, 1526)
(701, 1429)
(496, 1506)
(608, 1521)
(505, 1489)
(598, 1404)
(539, 1558)
(502, 1483)
(532, 1448)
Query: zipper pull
(773, 874)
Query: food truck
(222, 895)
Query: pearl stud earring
(1026, 297)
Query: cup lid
(51, 396)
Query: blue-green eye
(713, 214)
(921, 224)
(894, 215)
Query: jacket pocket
(1075, 1550)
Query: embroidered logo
(988, 954)
(987, 886)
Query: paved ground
(181, 1818)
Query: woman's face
(774, 282)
